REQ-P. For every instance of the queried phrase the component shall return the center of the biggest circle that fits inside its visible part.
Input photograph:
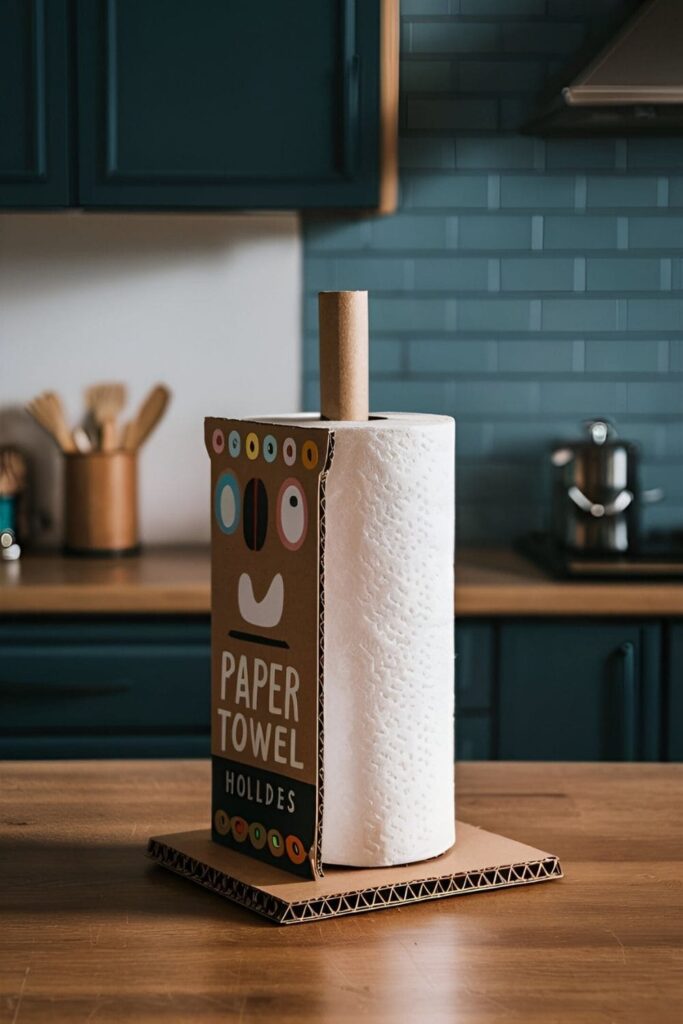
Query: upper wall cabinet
(34, 94)
(214, 104)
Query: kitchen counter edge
(176, 581)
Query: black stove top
(659, 556)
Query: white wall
(209, 304)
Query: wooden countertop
(92, 931)
(160, 580)
(176, 581)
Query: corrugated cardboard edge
(168, 852)
(322, 528)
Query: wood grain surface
(177, 581)
(91, 932)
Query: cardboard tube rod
(344, 377)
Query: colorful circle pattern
(295, 850)
(292, 514)
(234, 443)
(228, 502)
(289, 451)
(239, 829)
(269, 448)
(259, 836)
(309, 454)
(276, 843)
(222, 822)
(252, 446)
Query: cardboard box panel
(267, 580)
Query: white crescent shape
(267, 612)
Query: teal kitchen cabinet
(34, 95)
(674, 693)
(555, 689)
(474, 690)
(116, 688)
(579, 690)
(220, 104)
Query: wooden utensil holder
(101, 503)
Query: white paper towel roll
(388, 661)
(388, 748)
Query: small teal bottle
(8, 512)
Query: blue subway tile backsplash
(606, 274)
(450, 273)
(664, 231)
(496, 153)
(524, 284)
(579, 232)
(626, 356)
(453, 36)
(537, 275)
(521, 192)
(424, 191)
(610, 191)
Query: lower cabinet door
(474, 665)
(474, 688)
(103, 745)
(107, 689)
(674, 694)
(473, 737)
(579, 690)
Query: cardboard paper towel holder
(480, 861)
(259, 852)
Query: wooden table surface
(90, 931)
(177, 581)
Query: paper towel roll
(388, 662)
(388, 639)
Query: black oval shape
(255, 514)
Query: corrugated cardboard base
(479, 861)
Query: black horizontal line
(254, 638)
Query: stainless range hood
(633, 86)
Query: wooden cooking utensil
(12, 472)
(105, 401)
(81, 439)
(47, 410)
(150, 412)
